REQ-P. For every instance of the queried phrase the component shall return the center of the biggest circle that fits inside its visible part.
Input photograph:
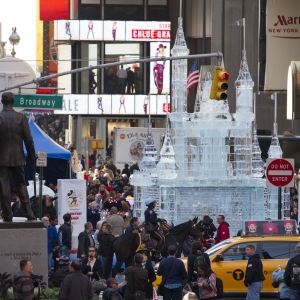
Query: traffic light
(219, 84)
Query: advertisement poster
(282, 35)
(144, 104)
(66, 30)
(148, 31)
(91, 30)
(74, 104)
(100, 104)
(277, 227)
(122, 104)
(132, 141)
(159, 70)
(163, 104)
(72, 195)
(114, 31)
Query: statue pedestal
(23, 240)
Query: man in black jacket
(106, 241)
(85, 240)
(65, 232)
(136, 277)
(76, 285)
(254, 274)
(290, 275)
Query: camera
(36, 282)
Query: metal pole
(279, 203)
(219, 55)
(41, 193)
(275, 108)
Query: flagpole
(275, 108)
(180, 9)
(244, 33)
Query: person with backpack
(254, 274)
(196, 258)
(292, 274)
(207, 282)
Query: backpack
(295, 274)
(219, 286)
(199, 259)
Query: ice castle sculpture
(217, 154)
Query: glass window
(90, 83)
(157, 13)
(125, 2)
(89, 12)
(123, 52)
(157, 2)
(90, 1)
(124, 12)
(236, 252)
(275, 250)
(217, 247)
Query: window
(236, 252)
(275, 250)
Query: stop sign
(280, 172)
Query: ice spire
(257, 162)
(244, 90)
(275, 149)
(179, 71)
(148, 163)
(167, 167)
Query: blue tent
(43, 142)
(58, 158)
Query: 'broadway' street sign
(34, 101)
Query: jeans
(172, 294)
(294, 294)
(49, 261)
(254, 290)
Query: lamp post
(14, 39)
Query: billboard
(127, 104)
(160, 70)
(114, 31)
(90, 30)
(148, 31)
(100, 104)
(139, 31)
(122, 104)
(283, 43)
(66, 30)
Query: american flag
(193, 76)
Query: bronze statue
(14, 130)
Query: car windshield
(217, 247)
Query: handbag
(151, 227)
(98, 285)
(160, 289)
(137, 295)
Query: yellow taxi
(228, 258)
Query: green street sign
(49, 102)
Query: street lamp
(14, 39)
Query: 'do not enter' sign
(280, 172)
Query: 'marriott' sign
(38, 101)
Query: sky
(20, 14)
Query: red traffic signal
(219, 84)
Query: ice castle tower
(213, 151)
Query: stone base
(23, 240)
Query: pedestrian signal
(219, 85)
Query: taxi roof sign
(270, 228)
